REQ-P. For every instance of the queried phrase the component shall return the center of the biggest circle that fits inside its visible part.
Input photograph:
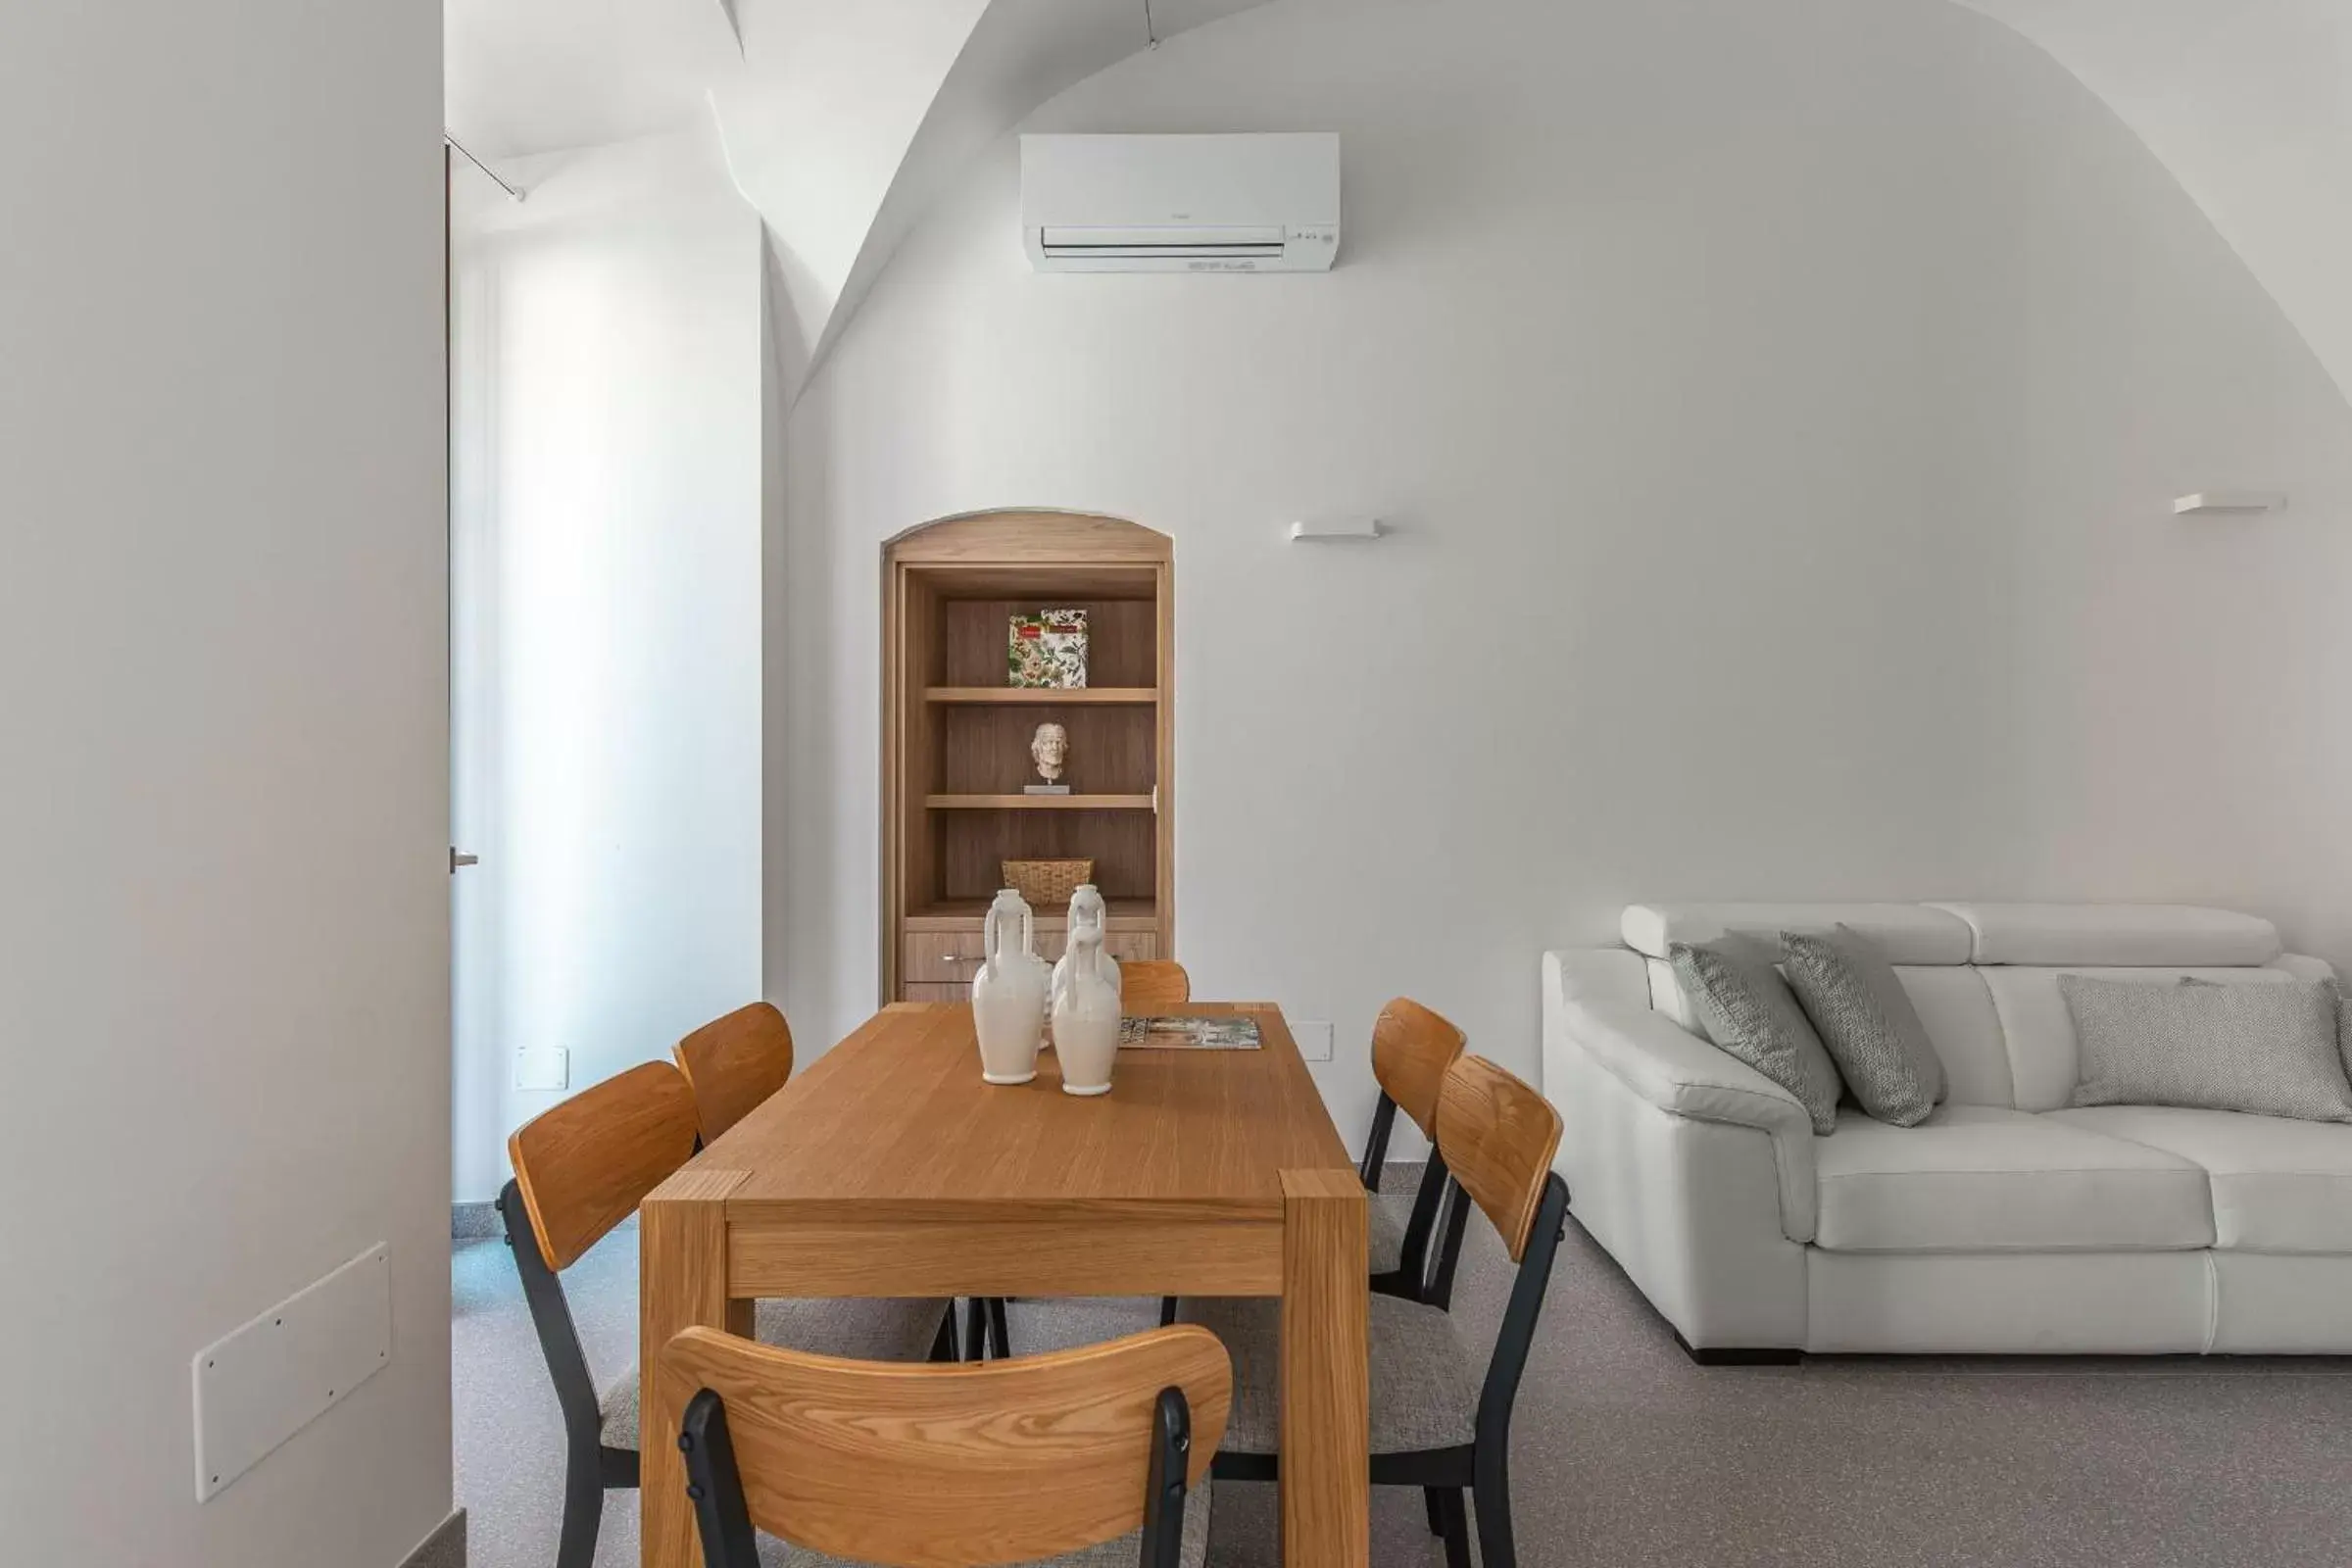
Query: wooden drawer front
(1121, 945)
(937, 957)
(914, 990)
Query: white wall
(608, 535)
(1778, 406)
(223, 922)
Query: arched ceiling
(842, 122)
(2248, 103)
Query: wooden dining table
(889, 1168)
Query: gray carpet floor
(1627, 1455)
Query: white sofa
(2006, 1222)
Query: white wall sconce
(1338, 528)
(2229, 503)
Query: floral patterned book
(1158, 1033)
(1046, 648)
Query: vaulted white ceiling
(2249, 104)
(843, 120)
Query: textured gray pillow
(1750, 1015)
(2269, 1050)
(1867, 1020)
(2343, 1028)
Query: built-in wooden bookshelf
(956, 736)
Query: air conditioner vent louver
(1146, 204)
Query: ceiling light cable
(1151, 37)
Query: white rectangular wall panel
(266, 1381)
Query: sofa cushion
(2278, 1186)
(2158, 934)
(2045, 1061)
(1750, 1015)
(1865, 1018)
(1957, 1011)
(2269, 1050)
(1906, 933)
(1982, 1179)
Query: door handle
(458, 858)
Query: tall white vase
(1088, 913)
(1009, 993)
(1086, 1020)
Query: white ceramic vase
(1086, 1020)
(1009, 993)
(1088, 913)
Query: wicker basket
(1040, 882)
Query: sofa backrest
(1985, 976)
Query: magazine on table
(1233, 1033)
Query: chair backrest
(735, 1062)
(1154, 985)
(943, 1465)
(1498, 1137)
(1411, 1048)
(584, 1165)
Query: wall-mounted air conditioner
(1181, 204)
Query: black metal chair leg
(583, 1511)
(1435, 1505)
(942, 1344)
(975, 1329)
(1492, 1495)
(1457, 1529)
(999, 1332)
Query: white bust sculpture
(1050, 747)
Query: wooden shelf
(966, 914)
(1023, 696)
(1038, 802)
(957, 736)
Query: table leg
(1326, 1397)
(682, 1283)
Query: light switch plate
(266, 1381)
(543, 1069)
(1314, 1039)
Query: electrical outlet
(1314, 1039)
(543, 1069)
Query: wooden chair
(1411, 1048)
(581, 1169)
(734, 1064)
(1435, 1423)
(1154, 985)
(1101, 1453)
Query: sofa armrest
(1685, 1076)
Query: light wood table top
(887, 1167)
(895, 1115)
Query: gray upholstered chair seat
(857, 1328)
(1124, 1551)
(1424, 1388)
(1043, 1324)
(1384, 1223)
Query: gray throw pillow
(1750, 1015)
(2343, 1028)
(1867, 1020)
(2269, 1050)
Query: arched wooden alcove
(955, 735)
